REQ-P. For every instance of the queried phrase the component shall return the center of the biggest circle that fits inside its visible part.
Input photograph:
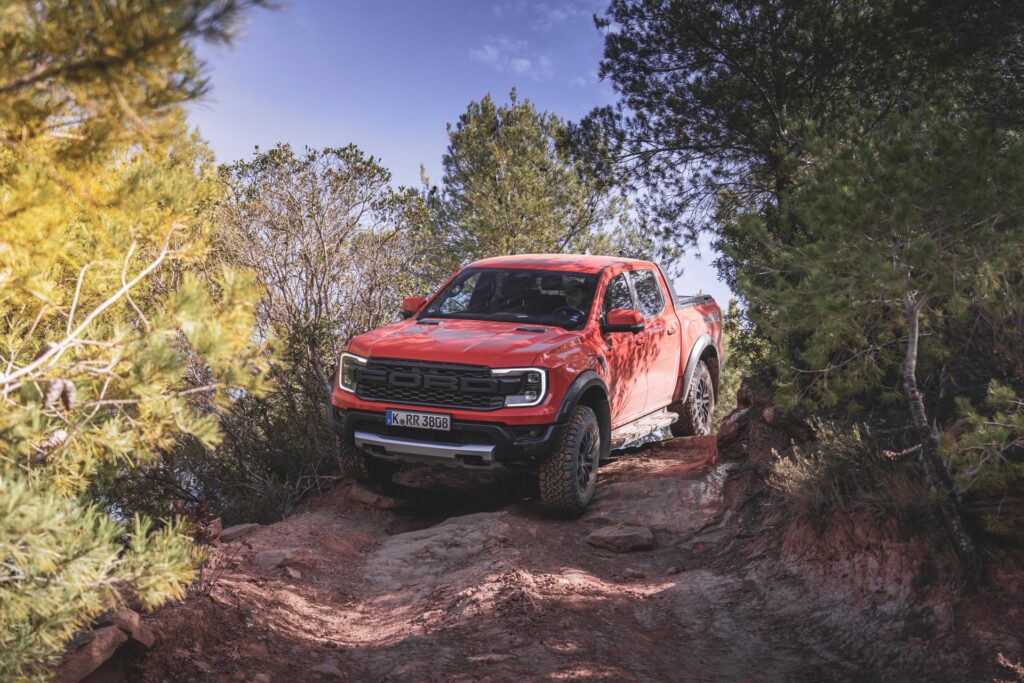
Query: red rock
(360, 494)
(131, 623)
(90, 656)
(268, 559)
(622, 539)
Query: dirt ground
(472, 582)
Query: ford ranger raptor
(539, 363)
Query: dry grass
(846, 469)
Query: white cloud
(584, 81)
(505, 55)
(545, 15)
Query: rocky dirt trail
(465, 581)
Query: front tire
(354, 463)
(568, 475)
(697, 410)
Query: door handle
(671, 330)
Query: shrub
(846, 469)
(102, 191)
(987, 459)
(744, 358)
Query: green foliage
(513, 185)
(335, 248)
(719, 100)
(744, 354)
(859, 167)
(845, 469)
(102, 217)
(734, 367)
(926, 213)
(63, 560)
(988, 459)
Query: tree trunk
(935, 473)
(318, 371)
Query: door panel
(627, 384)
(660, 338)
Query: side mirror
(411, 305)
(623, 320)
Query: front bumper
(469, 444)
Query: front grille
(389, 392)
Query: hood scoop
(427, 322)
(531, 329)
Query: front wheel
(568, 475)
(356, 464)
(697, 409)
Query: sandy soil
(473, 583)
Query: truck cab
(540, 363)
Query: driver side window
(617, 295)
(459, 298)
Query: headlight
(534, 386)
(347, 370)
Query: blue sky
(388, 75)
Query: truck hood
(475, 342)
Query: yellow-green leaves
(105, 305)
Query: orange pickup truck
(542, 363)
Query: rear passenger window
(617, 294)
(648, 292)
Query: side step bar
(647, 428)
(468, 455)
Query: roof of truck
(576, 263)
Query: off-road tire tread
(355, 464)
(688, 423)
(557, 480)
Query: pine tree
(720, 100)
(104, 306)
(511, 185)
(901, 229)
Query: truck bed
(686, 300)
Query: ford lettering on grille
(434, 384)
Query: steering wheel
(567, 311)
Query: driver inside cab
(575, 295)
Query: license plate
(407, 418)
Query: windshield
(535, 297)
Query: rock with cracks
(130, 622)
(622, 539)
